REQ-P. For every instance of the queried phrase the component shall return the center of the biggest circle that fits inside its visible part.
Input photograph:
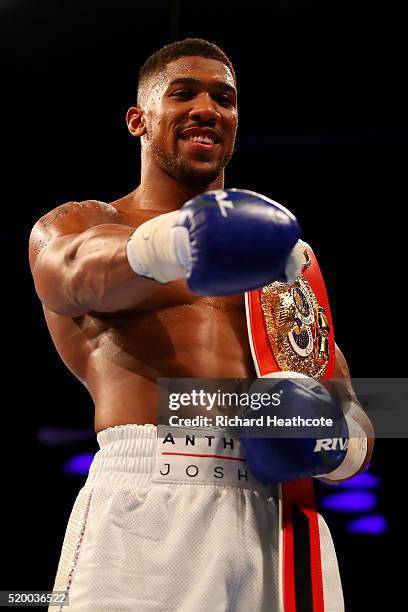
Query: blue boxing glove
(314, 448)
(239, 240)
(224, 242)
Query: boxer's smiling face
(191, 119)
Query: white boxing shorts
(170, 519)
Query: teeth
(204, 139)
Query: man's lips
(200, 149)
(201, 132)
(199, 146)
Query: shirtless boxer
(126, 307)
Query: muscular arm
(349, 402)
(78, 260)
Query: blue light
(364, 480)
(79, 464)
(375, 524)
(353, 501)
(55, 436)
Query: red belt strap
(301, 581)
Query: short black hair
(187, 47)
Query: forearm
(94, 274)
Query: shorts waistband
(142, 454)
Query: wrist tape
(159, 251)
(355, 454)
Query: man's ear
(136, 121)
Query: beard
(184, 170)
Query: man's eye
(225, 100)
(182, 93)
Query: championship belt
(290, 329)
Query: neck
(159, 191)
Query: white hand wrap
(159, 251)
(355, 455)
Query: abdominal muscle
(119, 357)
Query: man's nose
(204, 109)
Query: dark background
(322, 130)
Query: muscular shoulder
(76, 216)
(69, 218)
